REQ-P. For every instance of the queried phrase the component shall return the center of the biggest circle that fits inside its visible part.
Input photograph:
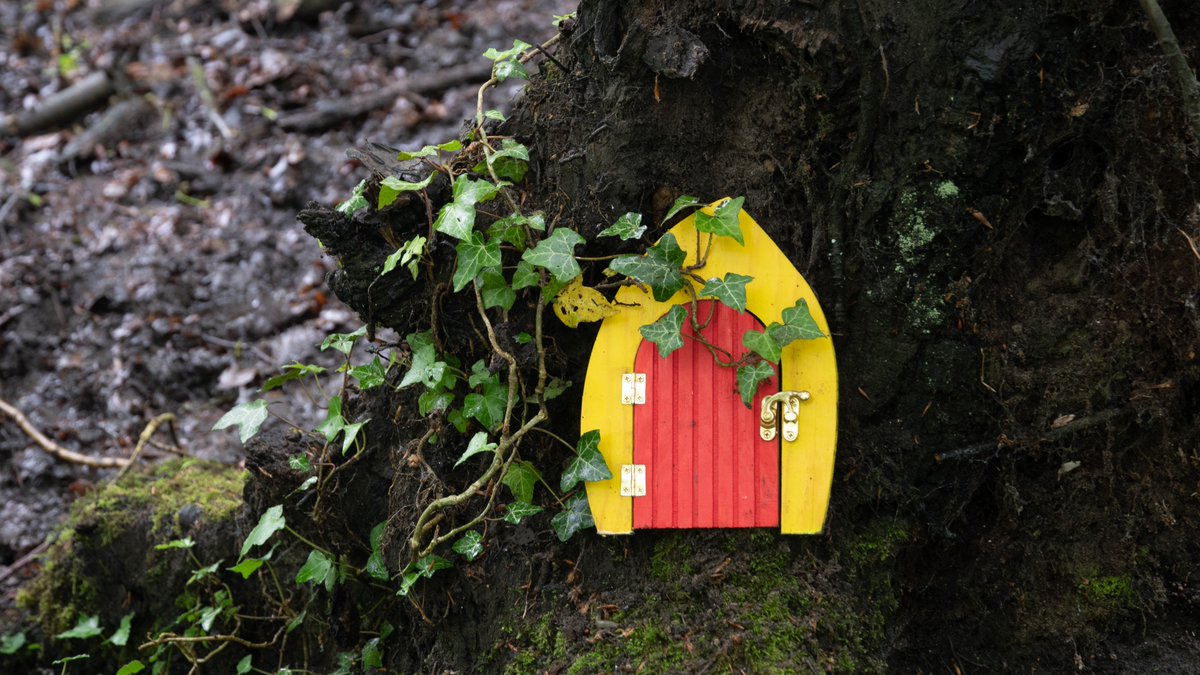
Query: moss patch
(108, 541)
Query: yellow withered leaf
(577, 303)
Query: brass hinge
(633, 389)
(633, 480)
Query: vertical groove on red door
(705, 463)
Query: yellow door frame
(806, 464)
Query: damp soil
(152, 263)
(999, 218)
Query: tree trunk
(998, 210)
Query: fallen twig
(56, 450)
(61, 107)
(1191, 242)
(24, 560)
(1069, 429)
(330, 113)
(144, 438)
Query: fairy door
(687, 452)
(706, 464)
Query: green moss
(94, 546)
(946, 190)
(877, 546)
(1110, 592)
(671, 560)
(648, 649)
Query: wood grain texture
(706, 465)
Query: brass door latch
(787, 417)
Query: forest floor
(151, 260)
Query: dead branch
(24, 560)
(330, 113)
(144, 438)
(1189, 89)
(61, 107)
(56, 450)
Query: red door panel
(705, 463)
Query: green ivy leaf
(495, 291)
(660, 269)
(429, 151)
(121, 636)
(247, 567)
(186, 542)
(555, 388)
(457, 217)
(247, 417)
(350, 432)
(495, 115)
(589, 465)
(506, 70)
(574, 517)
(487, 407)
(750, 377)
(10, 644)
(245, 665)
(762, 344)
(479, 443)
(520, 478)
(510, 162)
(518, 511)
(798, 324)
(680, 204)
(372, 656)
(512, 228)
(481, 375)
(518, 48)
(730, 291)
(343, 342)
(202, 573)
(434, 401)
(133, 667)
(408, 255)
(391, 187)
(370, 375)
(468, 191)
(724, 221)
(526, 276)
(406, 583)
(665, 333)
(292, 371)
(269, 523)
(628, 226)
(425, 367)
(85, 627)
(376, 568)
(470, 546)
(430, 564)
(299, 463)
(356, 202)
(68, 659)
(556, 253)
(317, 568)
(334, 422)
(474, 254)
